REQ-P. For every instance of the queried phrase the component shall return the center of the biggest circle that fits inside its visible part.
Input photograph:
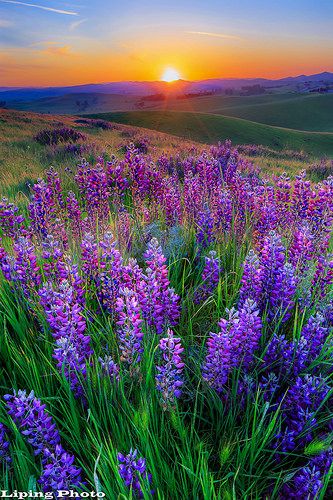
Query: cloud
(215, 35)
(5, 24)
(50, 9)
(56, 50)
(76, 24)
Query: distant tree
(253, 89)
(229, 91)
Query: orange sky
(54, 46)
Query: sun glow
(170, 75)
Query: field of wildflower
(166, 330)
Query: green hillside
(211, 128)
(312, 112)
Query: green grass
(312, 112)
(210, 128)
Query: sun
(170, 75)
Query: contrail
(215, 35)
(50, 9)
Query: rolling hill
(210, 128)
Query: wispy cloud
(5, 24)
(55, 50)
(76, 24)
(215, 35)
(42, 7)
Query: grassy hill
(311, 112)
(23, 160)
(209, 128)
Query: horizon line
(17, 87)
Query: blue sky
(39, 39)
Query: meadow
(166, 310)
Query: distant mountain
(149, 88)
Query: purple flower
(5, 457)
(39, 430)
(309, 480)
(11, 223)
(210, 277)
(299, 408)
(205, 228)
(59, 471)
(233, 345)
(161, 306)
(55, 268)
(109, 280)
(129, 328)
(169, 378)
(269, 280)
(109, 367)
(26, 270)
(72, 347)
(33, 421)
(132, 469)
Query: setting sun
(170, 75)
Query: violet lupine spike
(251, 281)
(132, 470)
(55, 268)
(42, 209)
(161, 306)
(129, 327)
(6, 264)
(5, 458)
(74, 215)
(59, 471)
(210, 277)
(302, 249)
(11, 222)
(299, 408)
(93, 184)
(71, 356)
(40, 431)
(89, 257)
(277, 278)
(323, 277)
(54, 185)
(287, 359)
(309, 480)
(33, 421)
(109, 367)
(26, 270)
(205, 233)
(111, 263)
(233, 346)
(169, 378)
(72, 347)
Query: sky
(69, 42)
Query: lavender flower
(161, 307)
(11, 223)
(129, 329)
(72, 349)
(109, 367)
(59, 471)
(205, 231)
(235, 343)
(169, 378)
(210, 277)
(38, 428)
(133, 471)
(5, 457)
